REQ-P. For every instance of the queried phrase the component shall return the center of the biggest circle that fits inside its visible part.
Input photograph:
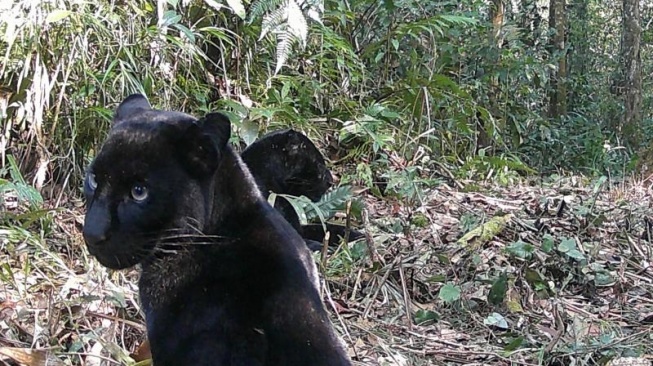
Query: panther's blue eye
(139, 193)
(92, 183)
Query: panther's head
(146, 183)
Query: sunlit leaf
(497, 320)
(237, 7)
(57, 15)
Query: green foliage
(329, 204)
(408, 184)
(468, 222)
(288, 21)
(547, 243)
(332, 202)
(449, 293)
(568, 246)
(576, 142)
(400, 78)
(422, 317)
(16, 183)
(520, 249)
(498, 290)
(67, 66)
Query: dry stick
(560, 325)
(347, 221)
(357, 284)
(405, 291)
(378, 288)
(325, 247)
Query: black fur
(287, 162)
(225, 279)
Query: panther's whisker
(185, 236)
(167, 251)
(185, 244)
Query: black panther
(225, 279)
(287, 162)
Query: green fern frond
(297, 24)
(24, 191)
(307, 210)
(273, 21)
(288, 20)
(332, 202)
(284, 49)
(261, 7)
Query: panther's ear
(203, 143)
(132, 104)
(218, 127)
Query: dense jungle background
(496, 154)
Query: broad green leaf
(520, 249)
(547, 243)
(576, 254)
(248, 131)
(187, 32)
(566, 245)
(603, 278)
(449, 293)
(599, 183)
(331, 202)
(170, 17)
(439, 278)
(497, 320)
(534, 277)
(514, 344)
(498, 290)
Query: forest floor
(553, 272)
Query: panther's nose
(93, 238)
(96, 226)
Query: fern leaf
(261, 7)
(288, 20)
(272, 22)
(332, 202)
(297, 24)
(284, 48)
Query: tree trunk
(558, 93)
(577, 55)
(497, 11)
(631, 72)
